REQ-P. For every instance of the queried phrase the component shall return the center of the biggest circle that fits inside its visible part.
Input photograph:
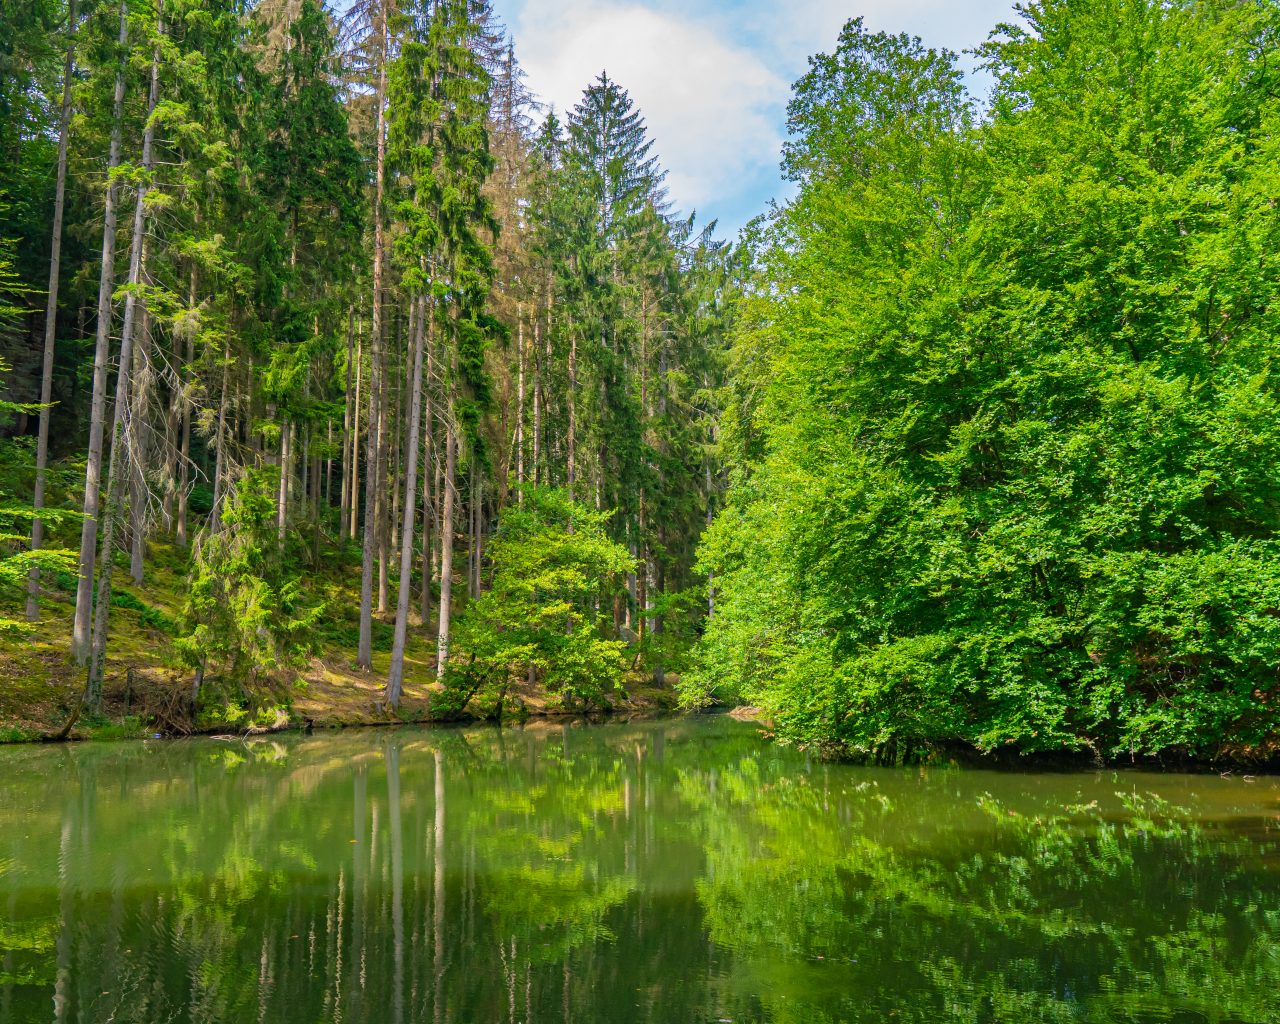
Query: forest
(343, 338)
(344, 380)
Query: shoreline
(147, 690)
(314, 703)
(646, 704)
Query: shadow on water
(674, 870)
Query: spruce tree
(51, 306)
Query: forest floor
(147, 688)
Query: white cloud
(712, 77)
(712, 108)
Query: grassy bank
(147, 688)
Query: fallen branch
(61, 735)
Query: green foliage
(682, 614)
(151, 617)
(32, 36)
(13, 734)
(554, 571)
(16, 513)
(247, 612)
(438, 141)
(130, 727)
(1006, 413)
(639, 314)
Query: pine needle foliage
(248, 614)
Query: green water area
(684, 870)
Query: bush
(554, 570)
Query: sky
(712, 77)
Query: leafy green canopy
(1004, 427)
(554, 570)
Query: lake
(683, 870)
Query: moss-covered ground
(147, 687)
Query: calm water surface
(676, 871)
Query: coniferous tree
(82, 627)
(376, 19)
(357, 271)
(51, 306)
(125, 429)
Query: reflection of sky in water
(670, 871)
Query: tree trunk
(632, 589)
(220, 459)
(117, 465)
(282, 499)
(385, 510)
(395, 681)
(536, 474)
(477, 532)
(184, 411)
(471, 530)
(711, 578)
(364, 657)
(184, 460)
(165, 464)
(642, 580)
(659, 672)
(519, 405)
(315, 477)
(428, 459)
(395, 451)
(140, 392)
(344, 498)
(328, 467)
(51, 311)
(446, 546)
(81, 629)
(571, 468)
(306, 481)
(353, 517)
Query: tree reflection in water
(664, 871)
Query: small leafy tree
(247, 613)
(554, 570)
